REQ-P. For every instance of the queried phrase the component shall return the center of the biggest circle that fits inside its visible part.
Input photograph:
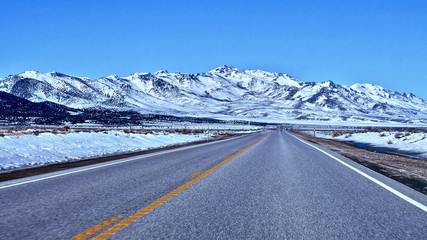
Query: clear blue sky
(375, 41)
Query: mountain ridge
(224, 92)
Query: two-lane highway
(260, 186)
(63, 206)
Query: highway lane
(279, 188)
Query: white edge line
(388, 188)
(116, 162)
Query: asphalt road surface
(259, 186)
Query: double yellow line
(127, 221)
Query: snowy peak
(372, 90)
(328, 83)
(369, 87)
(223, 69)
(30, 74)
(161, 72)
(113, 76)
(139, 76)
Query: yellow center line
(195, 174)
(96, 228)
(127, 221)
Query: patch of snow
(47, 148)
(288, 81)
(411, 142)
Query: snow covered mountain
(224, 92)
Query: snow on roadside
(405, 141)
(47, 148)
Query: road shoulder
(406, 170)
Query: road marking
(83, 169)
(127, 221)
(195, 174)
(91, 231)
(383, 185)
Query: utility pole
(208, 130)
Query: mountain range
(223, 93)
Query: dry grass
(383, 132)
(336, 134)
(14, 131)
(398, 135)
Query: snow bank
(405, 141)
(48, 148)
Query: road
(259, 186)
